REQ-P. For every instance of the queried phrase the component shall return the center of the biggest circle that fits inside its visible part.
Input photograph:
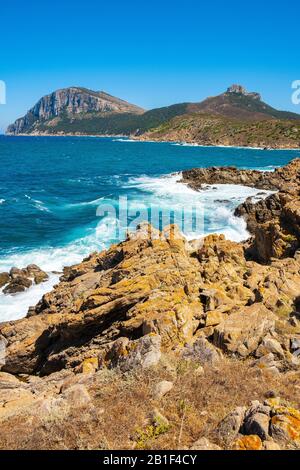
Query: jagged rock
(136, 288)
(19, 284)
(270, 345)
(260, 425)
(274, 221)
(89, 365)
(133, 289)
(3, 344)
(214, 318)
(259, 212)
(18, 280)
(8, 381)
(267, 363)
(230, 426)
(257, 423)
(129, 355)
(285, 425)
(37, 273)
(270, 180)
(240, 90)
(242, 331)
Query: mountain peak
(240, 90)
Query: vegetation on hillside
(213, 130)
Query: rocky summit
(161, 342)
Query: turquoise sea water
(50, 188)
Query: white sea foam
(14, 307)
(95, 202)
(40, 205)
(161, 193)
(2, 201)
(217, 202)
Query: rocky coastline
(160, 342)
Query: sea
(60, 198)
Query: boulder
(129, 355)
(257, 423)
(203, 352)
(204, 444)
(248, 443)
(214, 318)
(229, 428)
(242, 331)
(77, 396)
(18, 280)
(285, 425)
(270, 345)
(37, 273)
(162, 388)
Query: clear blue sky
(152, 53)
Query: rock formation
(240, 90)
(273, 221)
(157, 303)
(18, 280)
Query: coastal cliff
(68, 103)
(158, 330)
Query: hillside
(125, 123)
(205, 129)
(80, 111)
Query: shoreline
(47, 287)
(174, 142)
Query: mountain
(82, 111)
(240, 104)
(69, 104)
(236, 118)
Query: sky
(151, 53)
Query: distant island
(236, 117)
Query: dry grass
(121, 405)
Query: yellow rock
(90, 365)
(248, 443)
(286, 427)
(214, 318)
(273, 402)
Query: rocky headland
(160, 342)
(233, 118)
